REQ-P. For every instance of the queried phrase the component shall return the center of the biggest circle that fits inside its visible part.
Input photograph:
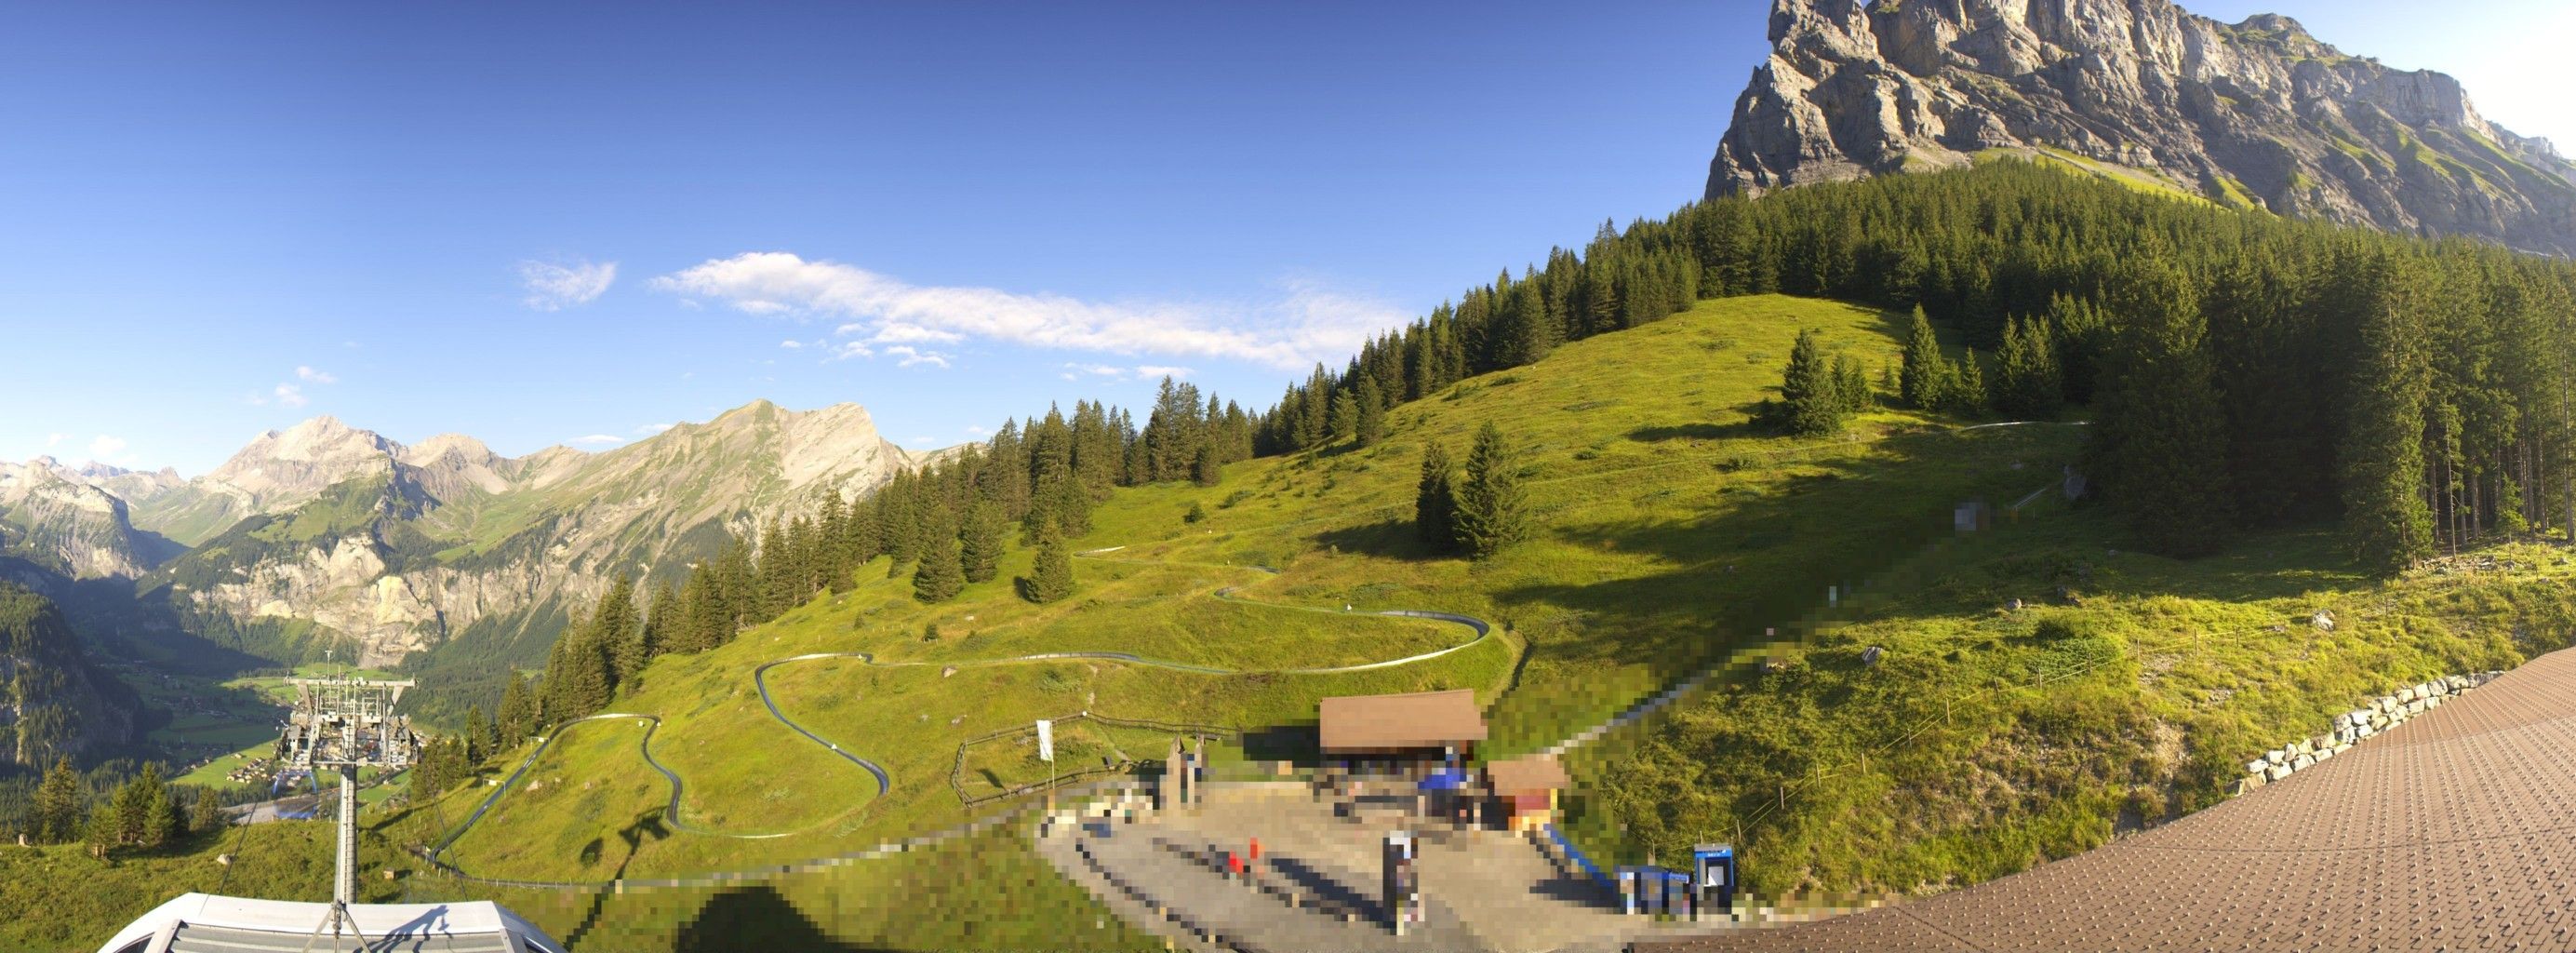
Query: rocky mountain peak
(2256, 114)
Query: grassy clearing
(1987, 740)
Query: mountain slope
(52, 703)
(345, 535)
(66, 519)
(2256, 114)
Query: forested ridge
(2241, 371)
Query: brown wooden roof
(1531, 775)
(1395, 722)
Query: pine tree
(980, 554)
(2159, 451)
(1491, 514)
(664, 621)
(482, 740)
(160, 813)
(517, 719)
(941, 575)
(104, 829)
(2027, 383)
(1435, 501)
(1917, 379)
(1369, 424)
(618, 629)
(1851, 385)
(1345, 417)
(1051, 578)
(1967, 391)
(1207, 470)
(2382, 463)
(1812, 402)
(58, 811)
(206, 812)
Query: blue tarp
(1447, 779)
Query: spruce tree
(1491, 514)
(1346, 417)
(2159, 450)
(1967, 392)
(941, 575)
(1918, 379)
(1435, 501)
(516, 718)
(1851, 385)
(1207, 470)
(2027, 382)
(980, 554)
(2386, 519)
(1812, 402)
(1369, 426)
(206, 812)
(160, 813)
(618, 629)
(1051, 578)
(58, 810)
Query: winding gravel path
(885, 781)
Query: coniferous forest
(2239, 371)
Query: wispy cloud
(654, 428)
(597, 439)
(1299, 324)
(289, 395)
(53, 440)
(107, 449)
(556, 285)
(791, 344)
(976, 431)
(312, 376)
(912, 356)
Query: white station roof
(204, 923)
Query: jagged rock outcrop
(402, 548)
(2257, 113)
(52, 702)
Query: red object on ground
(1256, 848)
(1234, 862)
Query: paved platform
(2454, 831)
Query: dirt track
(2454, 831)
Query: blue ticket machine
(1713, 878)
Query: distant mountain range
(2256, 114)
(326, 534)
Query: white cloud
(310, 375)
(1301, 324)
(554, 286)
(289, 395)
(654, 428)
(593, 440)
(975, 431)
(1102, 370)
(1161, 371)
(850, 349)
(912, 356)
(53, 440)
(106, 449)
(791, 345)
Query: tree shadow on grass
(755, 918)
(1392, 538)
(1741, 429)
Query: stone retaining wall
(2353, 727)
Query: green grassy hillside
(1673, 539)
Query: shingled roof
(1398, 722)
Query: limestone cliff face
(399, 549)
(2255, 113)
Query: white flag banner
(1046, 741)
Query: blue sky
(546, 223)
